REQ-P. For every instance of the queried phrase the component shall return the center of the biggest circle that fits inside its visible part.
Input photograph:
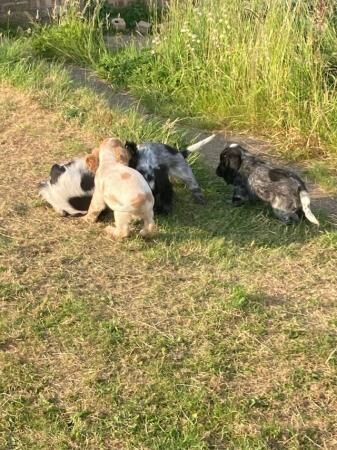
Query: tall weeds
(74, 34)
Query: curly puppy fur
(119, 187)
(254, 178)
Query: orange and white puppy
(121, 188)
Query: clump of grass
(123, 66)
(321, 173)
(75, 35)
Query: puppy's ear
(132, 150)
(121, 155)
(91, 162)
(95, 152)
(55, 173)
(131, 147)
(234, 158)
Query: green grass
(324, 174)
(50, 82)
(268, 67)
(219, 333)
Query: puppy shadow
(246, 225)
(243, 226)
(326, 207)
(106, 218)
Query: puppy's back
(124, 188)
(68, 181)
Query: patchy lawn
(218, 333)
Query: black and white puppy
(157, 162)
(254, 178)
(70, 186)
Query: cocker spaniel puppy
(70, 188)
(119, 187)
(157, 162)
(254, 178)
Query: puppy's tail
(305, 202)
(197, 145)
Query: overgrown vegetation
(268, 66)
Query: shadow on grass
(251, 224)
(218, 219)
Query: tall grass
(267, 65)
(76, 34)
(261, 65)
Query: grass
(323, 174)
(51, 84)
(231, 52)
(218, 333)
(286, 86)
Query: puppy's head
(132, 149)
(92, 160)
(230, 162)
(116, 147)
(55, 172)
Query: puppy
(119, 187)
(254, 178)
(157, 162)
(70, 188)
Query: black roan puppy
(254, 178)
(157, 162)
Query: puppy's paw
(115, 233)
(88, 219)
(237, 201)
(109, 230)
(149, 230)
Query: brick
(19, 8)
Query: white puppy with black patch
(70, 188)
